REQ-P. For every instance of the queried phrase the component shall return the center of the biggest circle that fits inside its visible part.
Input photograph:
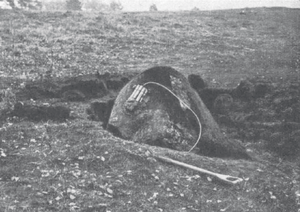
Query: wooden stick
(226, 178)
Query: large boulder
(154, 108)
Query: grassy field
(75, 165)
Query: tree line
(65, 5)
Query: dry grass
(77, 166)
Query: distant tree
(54, 5)
(195, 9)
(95, 5)
(153, 8)
(30, 4)
(11, 3)
(37, 4)
(73, 5)
(115, 6)
(25, 4)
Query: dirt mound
(79, 88)
(40, 112)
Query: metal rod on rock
(139, 93)
(185, 105)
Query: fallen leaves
(2, 153)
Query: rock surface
(157, 117)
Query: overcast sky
(143, 5)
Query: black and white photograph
(149, 106)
